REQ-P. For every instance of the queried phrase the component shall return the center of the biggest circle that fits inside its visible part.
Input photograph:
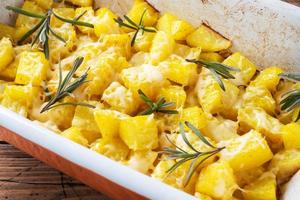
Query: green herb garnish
(181, 156)
(159, 106)
(290, 76)
(132, 25)
(44, 29)
(291, 100)
(219, 70)
(66, 86)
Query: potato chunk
(179, 71)
(195, 116)
(245, 152)
(256, 118)
(285, 163)
(112, 148)
(75, 135)
(120, 98)
(291, 136)
(136, 11)
(103, 71)
(162, 47)
(247, 68)
(170, 24)
(142, 161)
(88, 17)
(19, 98)
(268, 78)
(108, 122)
(174, 94)
(177, 177)
(217, 180)
(7, 31)
(32, 68)
(140, 132)
(145, 77)
(6, 53)
(264, 188)
(84, 120)
(207, 39)
(258, 96)
(218, 101)
(81, 2)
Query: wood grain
(25, 178)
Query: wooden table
(25, 178)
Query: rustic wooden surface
(25, 178)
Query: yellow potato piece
(112, 148)
(284, 164)
(264, 188)
(177, 178)
(246, 67)
(258, 96)
(19, 98)
(218, 101)
(108, 122)
(142, 161)
(268, 78)
(105, 23)
(246, 152)
(139, 133)
(187, 52)
(170, 24)
(256, 118)
(136, 11)
(179, 71)
(162, 47)
(207, 39)
(195, 116)
(75, 135)
(84, 119)
(6, 53)
(211, 57)
(175, 94)
(217, 180)
(82, 3)
(67, 13)
(120, 98)
(146, 77)
(7, 31)
(32, 68)
(291, 135)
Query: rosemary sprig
(132, 25)
(219, 70)
(44, 29)
(290, 76)
(291, 100)
(66, 87)
(181, 156)
(158, 106)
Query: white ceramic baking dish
(236, 20)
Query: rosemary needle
(291, 100)
(219, 70)
(159, 106)
(132, 25)
(66, 87)
(44, 29)
(181, 156)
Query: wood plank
(23, 177)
